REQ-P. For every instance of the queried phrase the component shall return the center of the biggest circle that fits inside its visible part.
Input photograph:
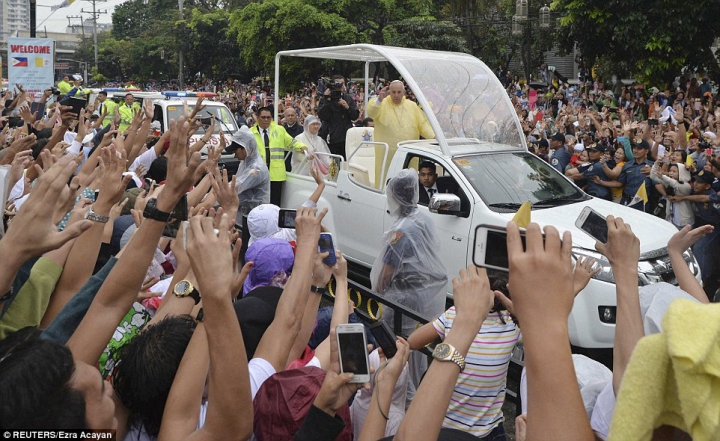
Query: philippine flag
(20, 62)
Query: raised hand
(33, 232)
(583, 273)
(224, 191)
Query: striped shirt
(476, 404)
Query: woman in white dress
(314, 143)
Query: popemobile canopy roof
(460, 95)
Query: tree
(656, 39)
(263, 29)
(217, 56)
(429, 34)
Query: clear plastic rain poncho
(253, 179)
(314, 144)
(409, 270)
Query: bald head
(290, 116)
(397, 91)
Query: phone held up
(385, 338)
(352, 350)
(593, 223)
(490, 249)
(177, 216)
(325, 244)
(286, 218)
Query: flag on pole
(64, 4)
(640, 196)
(522, 217)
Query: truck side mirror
(445, 203)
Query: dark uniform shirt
(560, 159)
(593, 189)
(631, 176)
(707, 213)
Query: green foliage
(429, 34)
(656, 39)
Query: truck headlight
(605, 274)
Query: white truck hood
(652, 231)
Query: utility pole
(33, 17)
(95, 14)
(181, 58)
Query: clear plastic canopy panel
(461, 96)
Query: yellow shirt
(395, 123)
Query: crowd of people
(103, 319)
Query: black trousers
(276, 192)
(337, 148)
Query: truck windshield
(221, 113)
(464, 95)
(505, 180)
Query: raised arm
(555, 407)
(118, 293)
(678, 244)
(623, 252)
(473, 299)
(277, 341)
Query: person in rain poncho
(409, 270)
(263, 222)
(314, 143)
(253, 179)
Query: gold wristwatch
(186, 289)
(446, 352)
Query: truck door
(358, 219)
(453, 231)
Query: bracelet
(318, 289)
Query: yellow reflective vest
(110, 105)
(126, 115)
(280, 142)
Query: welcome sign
(30, 63)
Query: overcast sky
(57, 21)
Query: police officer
(594, 173)
(561, 156)
(634, 173)
(707, 212)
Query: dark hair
(130, 94)
(427, 164)
(684, 155)
(265, 108)
(338, 78)
(44, 133)
(366, 121)
(146, 369)
(498, 282)
(102, 92)
(158, 169)
(35, 384)
(38, 147)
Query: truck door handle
(344, 196)
(457, 238)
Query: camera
(55, 91)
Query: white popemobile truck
(480, 150)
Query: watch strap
(93, 216)
(151, 212)
(195, 295)
(318, 289)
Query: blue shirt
(593, 189)
(631, 176)
(560, 159)
(707, 213)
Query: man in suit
(429, 183)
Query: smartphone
(593, 223)
(77, 105)
(286, 218)
(352, 350)
(147, 184)
(385, 338)
(326, 244)
(178, 214)
(491, 247)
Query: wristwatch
(318, 289)
(446, 352)
(186, 289)
(153, 213)
(91, 215)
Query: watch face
(182, 287)
(442, 350)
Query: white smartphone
(491, 247)
(352, 350)
(593, 223)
